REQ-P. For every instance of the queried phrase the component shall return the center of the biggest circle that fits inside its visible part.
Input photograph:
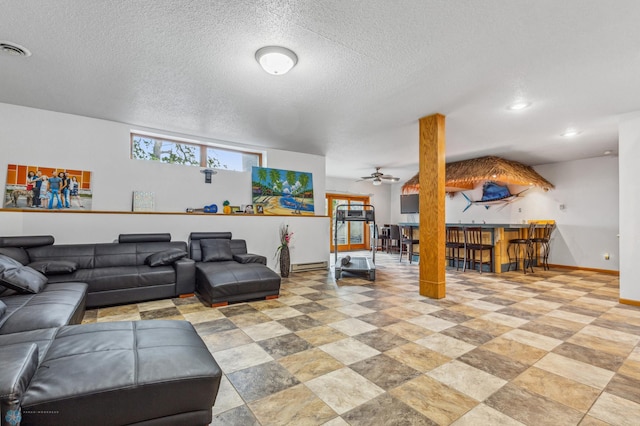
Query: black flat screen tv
(410, 203)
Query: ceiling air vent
(12, 49)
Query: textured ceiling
(367, 71)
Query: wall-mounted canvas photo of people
(52, 188)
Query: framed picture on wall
(248, 209)
(259, 208)
(31, 186)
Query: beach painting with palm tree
(282, 192)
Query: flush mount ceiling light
(569, 133)
(520, 105)
(276, 60)
(12, 49)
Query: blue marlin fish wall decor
(493, 195)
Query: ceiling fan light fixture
(276, 60)
(377, 182)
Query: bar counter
(497, 234)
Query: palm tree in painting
(276, 183)
(262, 175)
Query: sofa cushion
(56, 305)
(53, 267)
(3, 308)
(165, 257)
(216, 250)
(16, 276)
(17, 253)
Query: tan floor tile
(484, 415)
(418, 357)
(354, 310)
(294, 406)
(321, 335)
(631, 369)
(203, 316)
(570, 316)
(600, 344)
(445, 345)
(408, 331)
(247, 320)
(281, 312)
(401, 313)
(503, 319)
(433, 399)
(532, 339)
(475, 383)
(352, 326)
(328, 316)
(485, 325)
(132, 316)
(468, 310)
(432, 323)
(226, 339)
(310, 364)
(558, 388)
(606, 333)
(343, 389)
(118, 310)
(266, 330)
(561, 323)
(515, 350)
(575, 370)
(241, 357)
(349, 351)
(155, 304)
(193, 308)
(616, 410)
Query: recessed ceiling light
(607, 152)
(12, 49)
(569, 133)
(276, 60)
(520, 105)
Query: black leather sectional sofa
(116, 273)
(56, 371)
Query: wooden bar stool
(455, 242)
(473, 238)
(517, 244)
(407, 241)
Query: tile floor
(550, 348)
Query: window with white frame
(166, 150)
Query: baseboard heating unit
(311, 266)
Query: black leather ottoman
(120, 373)
(220, 283)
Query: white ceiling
(367, 71)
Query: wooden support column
(432, 212)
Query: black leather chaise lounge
(226, 273)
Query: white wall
(588, 225)
(629, 151)
(44, 138)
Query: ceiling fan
(379, 177)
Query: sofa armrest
(250, 258)
(185, 276)
(18, 364)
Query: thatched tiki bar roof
(462, 175)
